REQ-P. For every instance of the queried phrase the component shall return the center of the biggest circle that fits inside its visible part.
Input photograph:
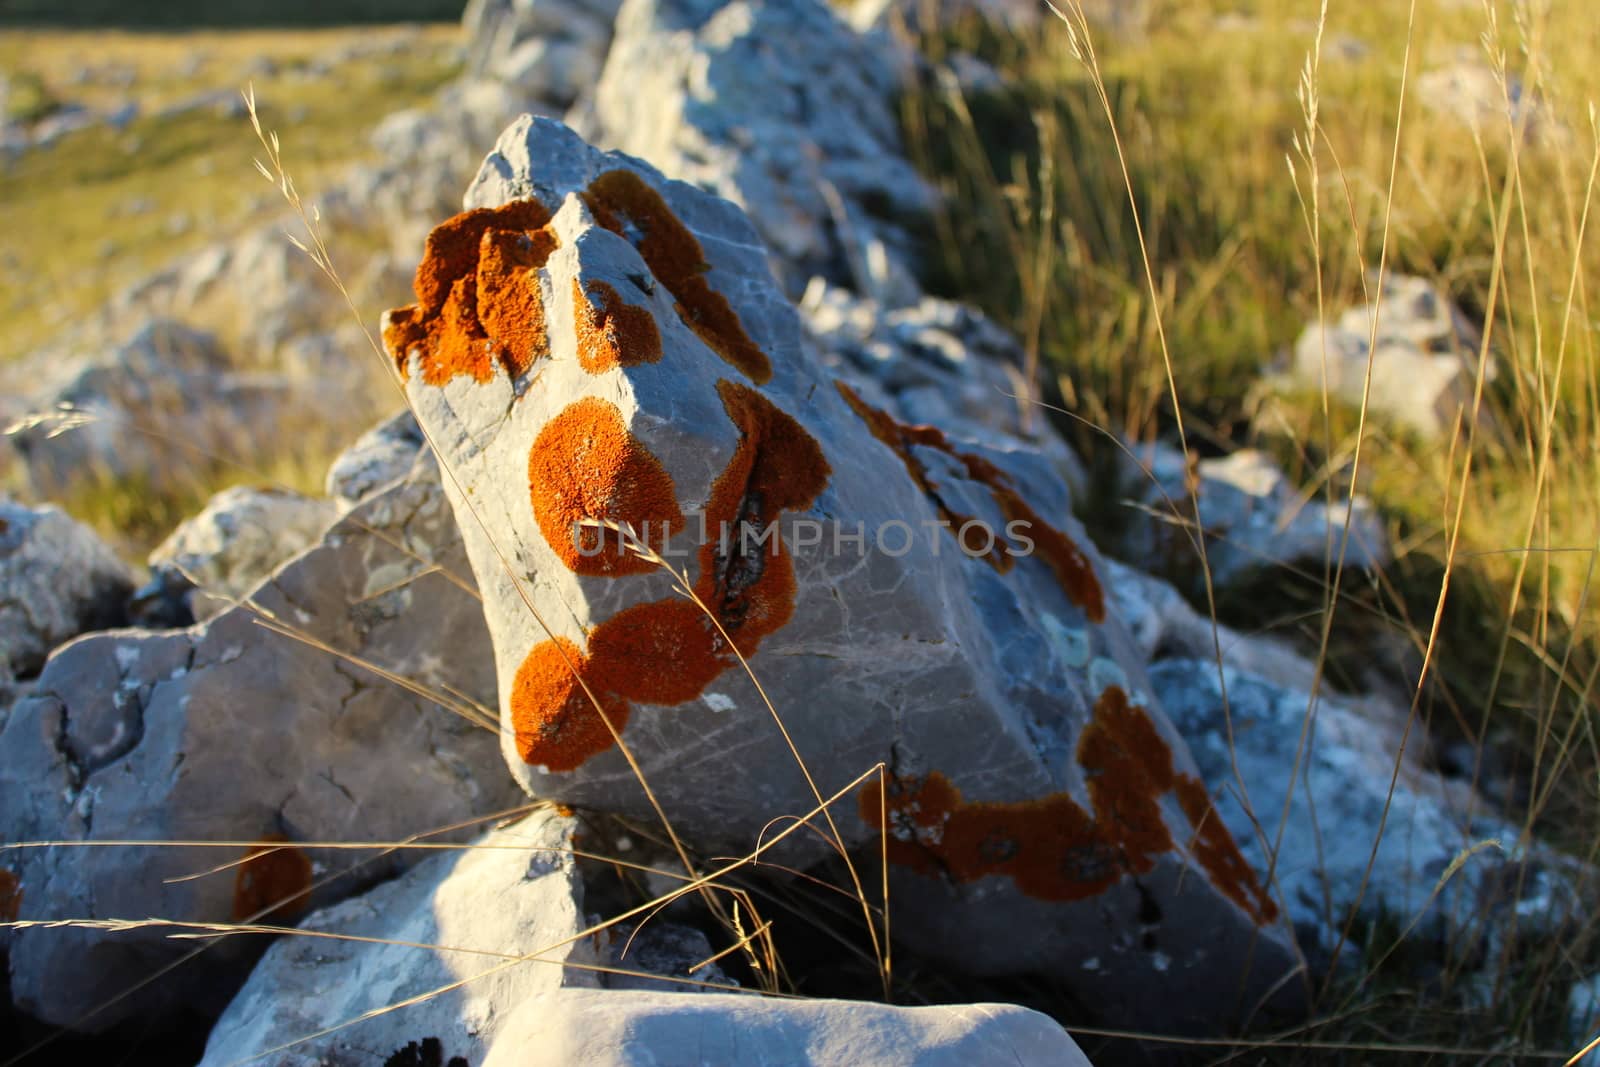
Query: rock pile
(594, 343)
(694, 426)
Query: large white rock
(595, 342)
(1424, 363)
(461, 919)
(57, 579)
(1341, 804)
(643, 1029)
(230, 731)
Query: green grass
(1214, 133)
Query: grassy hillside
(192, 14)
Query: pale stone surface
(1424, 363)
(1342, 797)
(802, 137)
(382, 455)
(937, 363)
(230, 731)
(1469, 91)
(238, 539)
(467, 915)
(551, 50)
(983, 672)
(641, 1029)
(57, 579)
(1253, 517)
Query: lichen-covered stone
(1040, 810)
(57, 580)
(511, 893)
(1246, 748)
(381, 456)
(230, 731)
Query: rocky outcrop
(57, 580)
(592, 342)
(801, 136)
(237, 731)
(240, 538)
(1341, 802)
(483, 930)
(379, 457)
(1424, 363)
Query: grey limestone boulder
(782, 108)
(551, 50)
(654, 1029)
(57, 580)
(593, 342)
(234, 731)
(498, 920)
(238, 539)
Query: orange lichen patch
(273, 882)
(585, 464)
(625, 204)
(662, 652)
(613, 334)
(510, 303)
(478, 297)
(746, 577)
(1216, 850)
(451, 250)
(10, 896)
(1071, 566)
(1052, 848)
(553, 720)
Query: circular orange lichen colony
(661, 652)
(586, 465)
(612, 334)
(553, 720)
(478, 296)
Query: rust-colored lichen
(612, 333)
(554, 722)
(478, 296)
(585, 464)
(1051, 847)
(660, 652)
(625, 204)
(10, 896)
(667, 652)
(1071, 566)
(777, 467)
(1216, 850)
(273, 883)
